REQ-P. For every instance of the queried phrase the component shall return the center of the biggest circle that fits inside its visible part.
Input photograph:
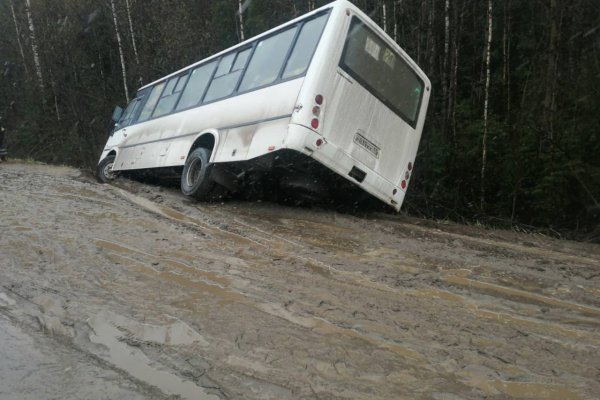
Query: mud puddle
(109, 330)
(34, 367)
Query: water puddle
(136, 363)
(6, 301)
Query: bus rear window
(305, 47)
(377, 67)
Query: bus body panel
(338, 161)
(236, 122)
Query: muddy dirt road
(260, 301)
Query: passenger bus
(322, 103)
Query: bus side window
(170, 95)
(228, 75)
(151, 103)
(305, 47)
(267, 60)
(196, 86)
(129, 113)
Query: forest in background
(513, 130)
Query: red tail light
(319, 99)
(314, 123)
(403, 184)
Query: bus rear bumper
(312, 144)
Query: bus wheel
(195, 179)
(104, 171)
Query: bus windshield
(377, 67)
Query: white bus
(324, 96)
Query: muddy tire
(104, 172)
(195, 178)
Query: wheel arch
(208, 139)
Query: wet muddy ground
(149, 295)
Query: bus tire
(104, 172)
(195, 178)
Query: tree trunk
(445, 64)
(454, 79)
(551, 68)
(431, 36)
(506, 57)
(34, 45)
(420, 30)
(18, 32)
(133, 42)
(486, 104)
(120, 44)
(396, 21)
(384, 15)
(241, 20)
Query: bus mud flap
(224, 178)
(357, 174)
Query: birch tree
(241, 20)
(18, 33)
(506, 56)
(395, 11)
(34, 46)
(133, 41)
(445, 62)
(384, 15)
(120, 45)
(431, 36)
(454, 79)
(488, 48)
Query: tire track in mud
(228, 293)
(518, 248)
(542, 328)
(456, 277)
(454, 337)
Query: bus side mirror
(117, 114)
